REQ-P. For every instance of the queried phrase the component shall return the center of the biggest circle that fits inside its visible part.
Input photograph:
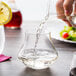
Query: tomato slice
(65, 35)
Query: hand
(65, 8)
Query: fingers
(68, 7)
(64, 8)
(75, 7)
(60, 9)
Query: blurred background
(33, 10)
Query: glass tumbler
(38, 51)
(2, 38)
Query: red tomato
(65, 35)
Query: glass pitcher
(16, 20)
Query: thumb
(74, 7)
(68, 7)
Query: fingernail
(66, 12)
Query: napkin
(4, 58)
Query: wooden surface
(14, 67)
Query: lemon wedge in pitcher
(5, 13)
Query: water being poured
(41, 26)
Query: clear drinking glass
(2, 38)
(38, 51)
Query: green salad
(68, 33)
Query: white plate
(55, 28)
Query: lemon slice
(5, 13)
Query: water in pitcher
(16, 20)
